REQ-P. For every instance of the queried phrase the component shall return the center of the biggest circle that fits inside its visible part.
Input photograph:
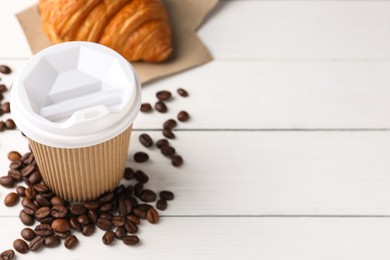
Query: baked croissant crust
(137, 29)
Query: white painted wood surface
(287, 151)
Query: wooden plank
(232, 238)
(263, 173)
(299, 30)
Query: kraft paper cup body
(76, 103)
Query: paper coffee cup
(76, 103)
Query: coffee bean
(106, 207)
(133, 219)
(83, 219)
(141, 176)
(152, 216)
(130, 190)
(120, 232)
(7, 255)
(103, 224)
(27, 234)
(92, 216)
(47, 220)
(163, 95)
(21, 191)
(162, 204)
(92, 204)
(107, 197)
(7, 182)
(10, 124)
(141, 157)
(57, 201)
(168, 150)
(139, 213)
(125, 207)
(78, 209)
(145, 140)
(161, 143)
(128, 174)
(177, 160)
(31, 193)
(16, 175)
(168, 133)
(30, 208)
(145, 207)
(169, 124)
(148, 195)
(35, 177)
(118, 221)
(58, 211)
(42, 213)
(41, 188)
(183, 116)
(146, 107)
(161, 107)
(138, 188)
(3, 88)
(42, 201)
(74, 224)
(36, 244)
(182, 92)
(16, 165)
(131, 227)
(5, 69)
(108, 237)
(26, 219)
(14, 156)
(43, 230)
(52, 241)
(88, 230)
(6, 107)
(11, 199)
(71, 242)
(26, 201)
(167, 195)
(60, 225)
(26, 171)
(20, 246)
(130, 240)
(63, 235)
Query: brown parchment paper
(189, 51)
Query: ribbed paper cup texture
(81, 174)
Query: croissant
(137, 29)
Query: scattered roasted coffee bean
(177, 160)
(161, 107)
(107, 197)
(120, 232)
(52, 241)
(42, 213)
(88, 230)
(162, 204)
(183, 116)
(103, 224)
(5, 107)
(42, 201)
(118, 221)
(11, 199)
(83, 219)
(141, 176)
(167, 195)
(145, 140)
(152, 216)
(10, 124)
(27, 234)
(139, 213)
(141, 157)
(62, 235)
(74, 224)
(7, 181)
(36, 244)
(108, 237)
(130, 240)
(106, 207)
(35, 177)
(60, 225)
(133, 219)
(128, 174)
(16, 165)
(71, 242)
(16, 175)
(138, 188)
(14, 156)
(169, 124)
(92, 215)
(43, 230)
(41, 188)
(146, 107)
(182, 92)
(47, 220)
(31, 193)
(163, 95)
(125, 207)
(5, 69)
(2, 126)
(58, 211)
(168, 133)
(148, 195)
(92, 204)
(145, 207)
(26, 171)
(78, 209)
(161, 143)
(26, 219)
(7, 255)
(20, 246)
(57, 201)
(21, 191)
(29, 207)
(131, 227)
(3, 88)
(168, 150)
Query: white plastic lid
(74, 95)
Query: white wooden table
(288, 150)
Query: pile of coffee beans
(119, 212)
(8, 124)
(167, 128)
